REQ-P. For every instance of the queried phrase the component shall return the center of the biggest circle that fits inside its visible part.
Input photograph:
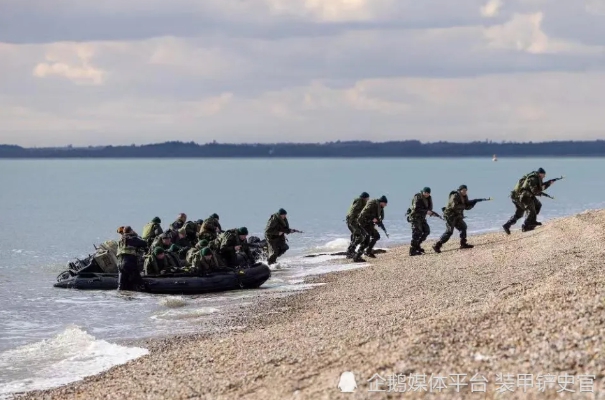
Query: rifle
(295, 231)
(437, 215)
(546, 195)
(550, 181)
(475, 201)
(381, 226)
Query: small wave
(173, 302)
(70, 356)
(185, 314)
(339, 244)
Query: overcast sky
(142, 71)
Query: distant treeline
(409, 148)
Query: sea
(54, 211)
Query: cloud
(492, 8)
(71, 62)
(299, 70)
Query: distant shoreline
(343, 150)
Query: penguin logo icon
(347, 383)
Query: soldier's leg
(354, 234)
(426, 231)
(519, 211)
(416, 236)
(363, 242)
(449, 231)
(374, 237)
(530, 220)
(273, 251)
(461, 226)
(283, 247)
(538, 206)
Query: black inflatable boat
(245, 278)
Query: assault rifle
(547, 184)
(381, 226)
(437, 215)
(475, 201)
(550, 181)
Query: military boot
(414, 251)
(370, 253)
(351, 252)
(437, 247)
(357, 257)
(507, 228)
(465, 245)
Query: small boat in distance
(494, 158)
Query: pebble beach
(517, 317)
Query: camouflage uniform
(154, 265)
(524, 198)
(352, 223)
(228, 241)
(129, 277)
(373, 210)
(276, 243)
(417, 217)
(210, 228)
(453, 214)
(202, 265)
(152, 230)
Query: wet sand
(518, 310)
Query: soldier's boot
(370, 253)
(351, 251)
(437, 247)
(414, 251)
(538, 223)
(357, 257)
(465, 245)
(506, 228)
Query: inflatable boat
(243, 278)
(99, 272)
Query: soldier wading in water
(275, 232)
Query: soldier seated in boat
(156, 263)
(232, 242)
(205, 261)
(164, 241)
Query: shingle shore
(525, 306)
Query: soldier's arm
(138, 242)
(469, 205)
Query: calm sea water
(55, 210)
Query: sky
(84, 72)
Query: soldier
(205, 261)
(179, 222)
(230, 243)
(129, 277)
(275, 233)
(422, 205)
(164, 241)
(152, 230)
(156, 263)
(371, 215)
(453, 214)
(356, 207)
(210, 228)
(194, 250)
(524, 198)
